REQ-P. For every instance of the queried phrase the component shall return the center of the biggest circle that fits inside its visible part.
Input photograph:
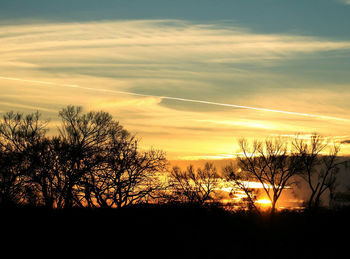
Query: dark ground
(173, 232)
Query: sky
(188, 77)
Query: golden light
(264, 202)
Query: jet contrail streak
(177, 99)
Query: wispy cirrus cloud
(344, 1)
(207, 63)
(137, 42)
(162, 57)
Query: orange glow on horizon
(264, 203)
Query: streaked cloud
(344, 1)
(138, 42)
(163, 78)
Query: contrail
(177, 99)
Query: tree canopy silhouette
(19, 135)
(93, 162)
(269, 163)
(194, 186)
(319, 170)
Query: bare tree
(93, 162)
(40, 172)
(105, 167)
(319, 170)
(268, 162)
(18, 132)
(11, 179)
(19, 135)
(241, 182)
(83, 138)
(130, 176)
(194, 186)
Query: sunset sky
(188, 77)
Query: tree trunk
(273, 207)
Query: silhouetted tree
(270, 163)
(103, 165)
(241, 181)
(319, 170)
(83, 140)
(11, 187)
(194, 186)
(40, 172)
(93, 162)
(19, 135)
(129, 176)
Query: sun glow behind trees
(95, 162)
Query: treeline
(94, 162)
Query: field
(175, 231)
